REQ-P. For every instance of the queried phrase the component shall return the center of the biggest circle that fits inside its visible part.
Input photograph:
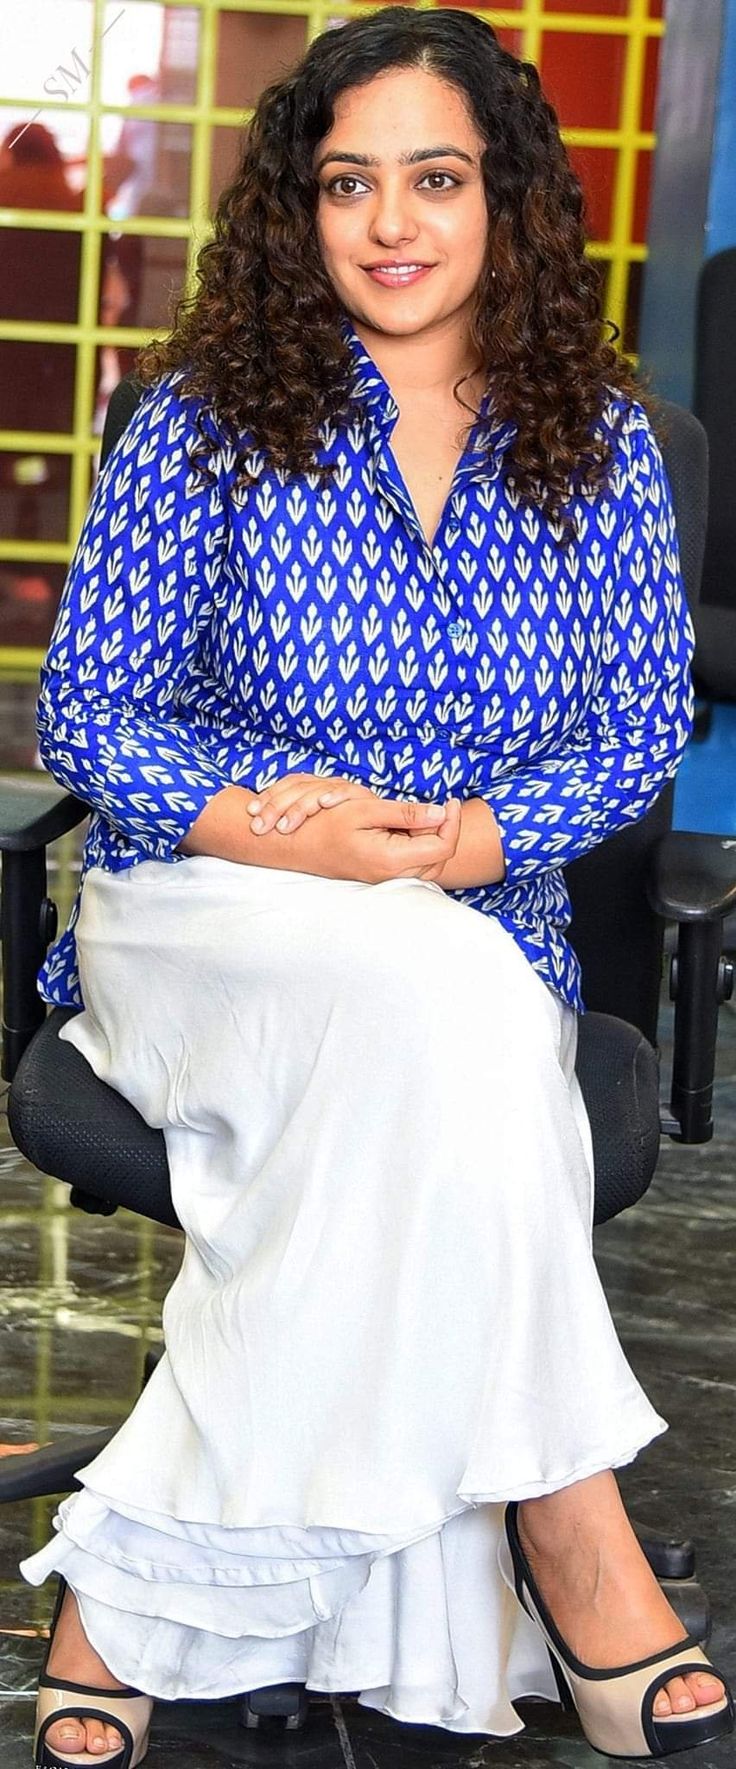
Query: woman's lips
(390, 280)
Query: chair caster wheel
(282, 1701)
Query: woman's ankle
(592, 1506)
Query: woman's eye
(349, 178)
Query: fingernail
(258, 823)
(435, 813)
(253, 806)
(283, 823)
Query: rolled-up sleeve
(613, 766)
(137, 596)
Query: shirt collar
(375, 394)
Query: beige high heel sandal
(615, 1707)
(127, 1709)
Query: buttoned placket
(442, 582)
(382, 412)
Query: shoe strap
(45, 1681)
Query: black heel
(563, 1687)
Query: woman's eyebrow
(408, 159)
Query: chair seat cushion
(69, 1124)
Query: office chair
(714, 403)
(706, 791)
(73, 1126)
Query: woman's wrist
(223, 830)
(478, 858)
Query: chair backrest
(617, 937)
(714, 403)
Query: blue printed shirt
(210, 635)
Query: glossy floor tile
(80, 1302)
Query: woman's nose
(392, 216)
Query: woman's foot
(600, 1589)
(72, 1658)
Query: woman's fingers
(285, 806)
(407, 815)
(289, 802)
(415, 846)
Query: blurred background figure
(135, 153)
(33, 171)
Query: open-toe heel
(616, 1707)
(128, 1709)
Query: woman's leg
(73, 1658)
(600, 1588)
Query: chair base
(281, 1701)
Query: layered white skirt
(387, 1320)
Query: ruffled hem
(424, 1629)
(428, 1634)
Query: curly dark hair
(259, 341)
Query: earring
(493, 273)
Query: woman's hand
(286, 804)
(373, 839)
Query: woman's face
(432, 212)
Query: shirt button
(455, 629)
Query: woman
(392, 1388)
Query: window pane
(46, 50)
(147, 170)
(150, 54)
(42, 160)
(40, 274)
(607, 8)
(141, 277)
(29, 598)
(596, 169)
(36, 386)
(582, 78)
(253, 49)
(34, 496)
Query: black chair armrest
(32, 813)
(35, 812)
(693, 882)
(693, 877)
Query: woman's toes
(675, 1698)
(66, 1735)
(683, 1694)
(705, 1687)
(102, 1738)
(91, 1735)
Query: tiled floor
(80, 1300)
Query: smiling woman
(483, 197)
(378, 1452)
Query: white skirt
(387, 1321)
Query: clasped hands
(368, 837)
